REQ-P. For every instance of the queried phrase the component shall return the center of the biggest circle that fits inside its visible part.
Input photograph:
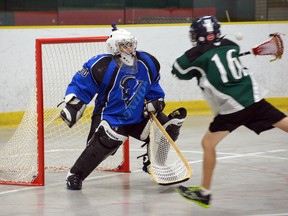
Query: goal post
(43, 142)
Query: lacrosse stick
(273, 46)
(168, 165)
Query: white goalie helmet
(123, 44)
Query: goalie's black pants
(140, 131)
(100, 145)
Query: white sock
(205, 191)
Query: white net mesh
(18, 157)
(63, 145)
(167, 166)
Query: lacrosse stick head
(273, 46)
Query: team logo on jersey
(83, 72)
(130, 86)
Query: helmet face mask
(122, 44)
(204, 30)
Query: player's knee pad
(174, 122)
(103, 143)
(105, 140)
(108, 136)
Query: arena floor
(251, 179)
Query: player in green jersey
(231, 92)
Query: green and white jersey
(227, 87)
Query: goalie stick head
(123, 44)
(205, 29)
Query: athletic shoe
(74, 182)
(194, 194)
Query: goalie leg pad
(103, 143)
(174, 122)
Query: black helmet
(205, 29)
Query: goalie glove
(154, 106)
(73, 110)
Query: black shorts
(258, 117)
(133, 130)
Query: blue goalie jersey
(120, 92)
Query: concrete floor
(251, 178)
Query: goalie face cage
(22, 158)
(273, 46)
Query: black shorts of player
(258, 117)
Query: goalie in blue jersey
(126, 85)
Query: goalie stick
(274, 46)
(168, 164)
